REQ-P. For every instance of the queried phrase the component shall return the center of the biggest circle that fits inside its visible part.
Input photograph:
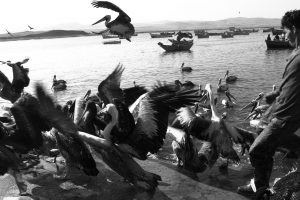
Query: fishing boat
(184, 45)
(201, 33)
(227, 34)
(278, 44)
(109, 36)
(277, 31)
(162, 34)
(112, 42)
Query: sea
(84, 62)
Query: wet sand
(176, 184)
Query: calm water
(84, 61)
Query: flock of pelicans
(121, 123)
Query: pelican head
(105, 18)
(274, 88)
(182, 65)
(220, 81)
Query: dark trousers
(279, 133)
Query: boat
(214, 34)
(123, 37)
(112, 42)
(201, 33)
(227, 34)
(238, 31)
(278, 31)
(278, 44)
(162, 34)
(109, 36)
(268, 30)
(184, 45)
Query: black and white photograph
(149, 100)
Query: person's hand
(112, 110)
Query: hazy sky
(15, 15)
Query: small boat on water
(109, 36)
(227, 34)
(201, 33)
(162, 34)
(214, 34)
(238, 31)
(184, 45)
(278, 31)
(268, 30)
(278, 44)
(112, 42)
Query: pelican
(229, 79)
(148, 133)
(30, 28)
(192, 154)
(112, 155)
(186, 84)
(222, 87)
(12, 91)
(181, 35)
(121, 25)
(215, 130)
(185, 69)
(228, 103)
(254, 102)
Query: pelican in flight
(30, 28)
(120, 26)
(229, 79)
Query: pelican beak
(204, 98)
(255, 114)
(128, 38)
(252, 103)
(101, 20)
(229, 96)
(87, 95)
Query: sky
(15, 15)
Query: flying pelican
(10, 33)
(222, 87)
(120, 26)
(185, 69)
(112, 155)
(229, 79)
(30, 28)
(12, 91)
(148, 133)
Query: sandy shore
(176, 184)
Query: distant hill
(240, 22)
(43, 34)
(75, 29)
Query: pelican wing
(111, 6)
(133, 93)
(5, 87)
(109, 88)
(152, 121)
(54, 117)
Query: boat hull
(162, 35)
(112, 42)
(180, 46)
(278, 44)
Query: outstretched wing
(54, 117)
(109, 88)
(111, 6)
(133, 93)
(152, 121)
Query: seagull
(121, 26)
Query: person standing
(284, 126)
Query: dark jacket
(288, 102)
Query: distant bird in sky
(9, 33)
(30, 27)
(120, 26)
